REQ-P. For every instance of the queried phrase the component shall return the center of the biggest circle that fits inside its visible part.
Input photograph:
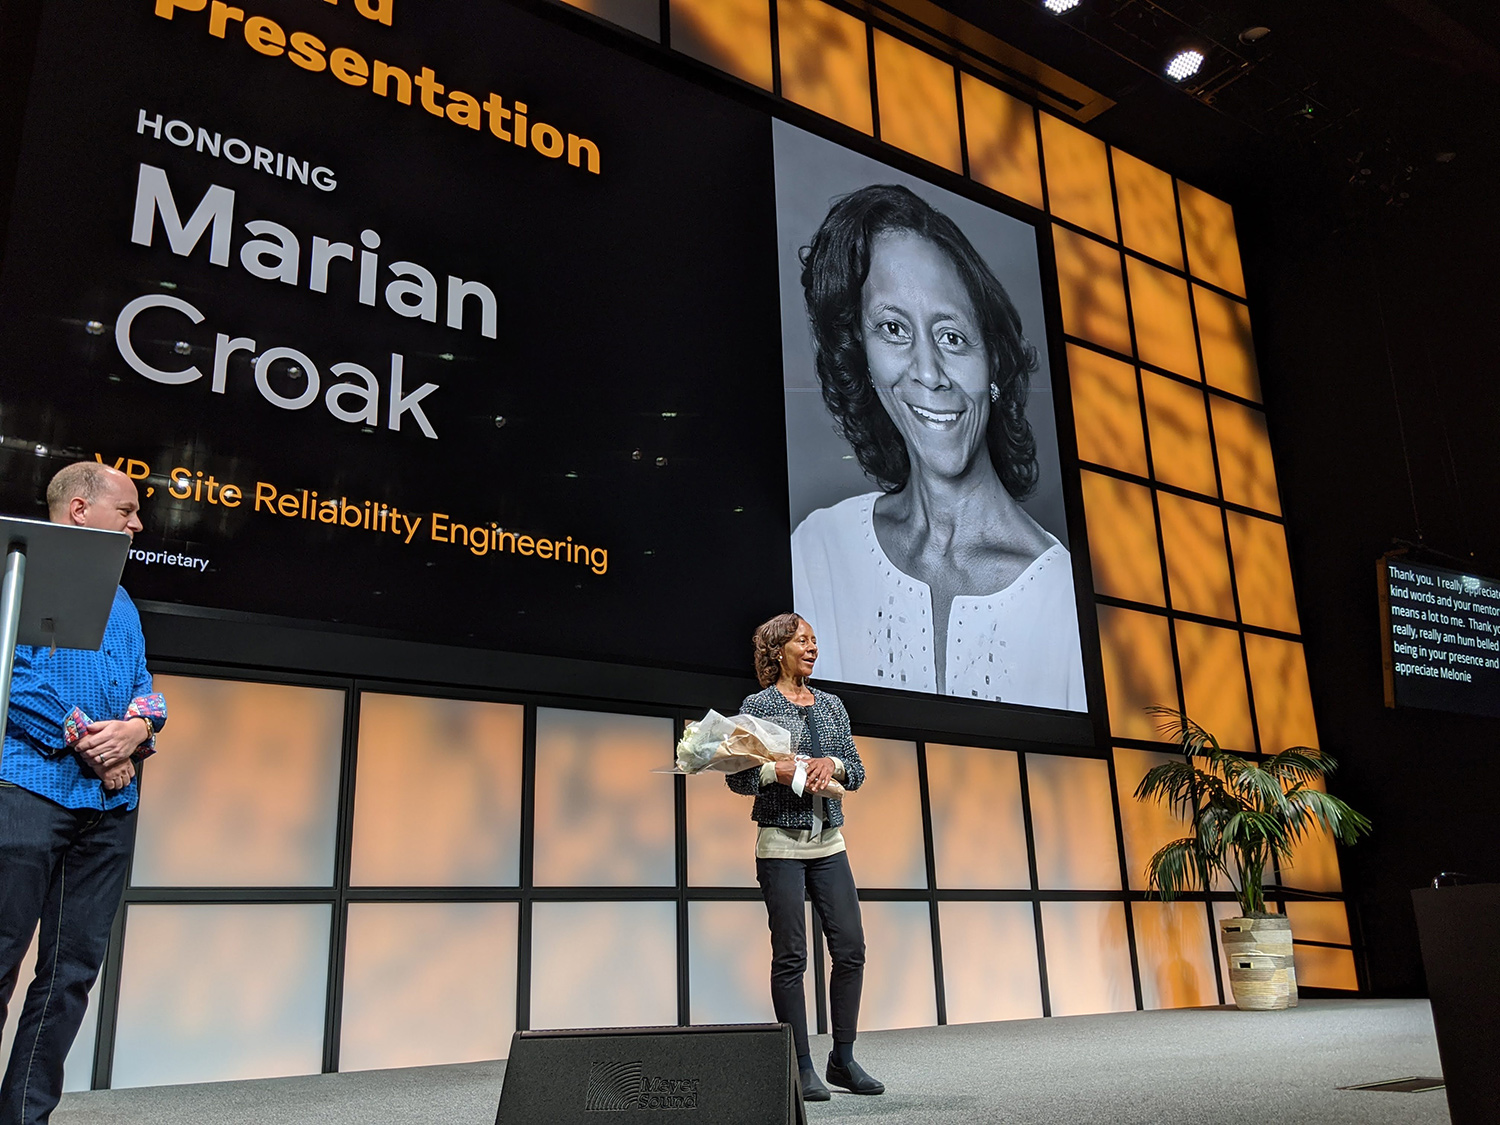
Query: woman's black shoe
(813, 1089)
(852, 1078)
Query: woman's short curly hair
(768, 639)
(835, 266)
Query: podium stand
(58, 590)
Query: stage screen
(449, 323)
(1442, 636)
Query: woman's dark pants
(830, 885)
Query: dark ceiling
(1365, 104)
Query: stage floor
(1156, 1068)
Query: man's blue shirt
(48, 684)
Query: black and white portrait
(929, 544)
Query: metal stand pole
(10, 623)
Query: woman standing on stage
(799, 849)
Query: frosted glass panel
(1001, 131)
(1228, 347)
(899, 986)
(1264, 573)
(1107, 411)
(1138, 670)
(1072, 823)
(1213, 682)
(1122, 539)
(1314, 864)
(216, 993)
(427, 983)
(989, 961)
(917, 94)
(720, 834)
(244, 789)
(1148, 209)
(1078, 187)
(1320, 967)
(733, 35)
(1246, 470)
(1197, 560)
(1177, 425)
(1163, 319)
(978, 830)
(78, 1068)
(1091, 290)
(1147, 826)
(603, 964)
(437, 798)
(1283, 698)
(602, 817)
(641, 16)
(1088, 958)
(883, 820)
(729, 964)
(1213, 249)
(825, 61)
(1318, 921)
(1175, 954)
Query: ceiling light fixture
(1058, 7)
(1184, 64)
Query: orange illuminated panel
(825, 61)
(883, 824)
(1213, 682)
(640, 16)
(221, 992)
(1228, 351)
(1106, 411)
(1078, 188)
(1092, 291)
(1263, 573)
(899, 987)
(428, 983)
(1148, 826)
(1148, 209)
(1001, 131)
(1283, 699)
(720, 834)
(1197, 561)
(1318, 921)
(1175, 954)
(1246, 470)
(729, 964)
(437, 796)
(1072, 823)
(1088, 958)
(978, 831)
(1138, 669)
(209, 819)
(1314, 865)
(1177, 424)
(918, 99)
(989, 961)
(602, 817)
(1122, 539)
(603, 964)
(733, 35)
(1163, 319)
(1213, 249)
(1320, 967)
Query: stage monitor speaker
(734, 1074)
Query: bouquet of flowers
(740, 742)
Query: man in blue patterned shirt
(78, 724)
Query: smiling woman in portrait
(940, 581)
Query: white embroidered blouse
(874, 622)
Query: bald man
(78, 725)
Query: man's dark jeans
(785, 884)
(64, 868)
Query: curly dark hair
(835, 267)
(768, 639)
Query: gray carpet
(1156, 1068)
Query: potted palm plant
(1240, 813)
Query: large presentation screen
(445, 321)
(1442, 635)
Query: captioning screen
(1442, 637)
(448, 322)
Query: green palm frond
(1175, 869)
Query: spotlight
(1184, 64)
(1058, 7)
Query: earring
(994, 392)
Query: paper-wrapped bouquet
(740, 742)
